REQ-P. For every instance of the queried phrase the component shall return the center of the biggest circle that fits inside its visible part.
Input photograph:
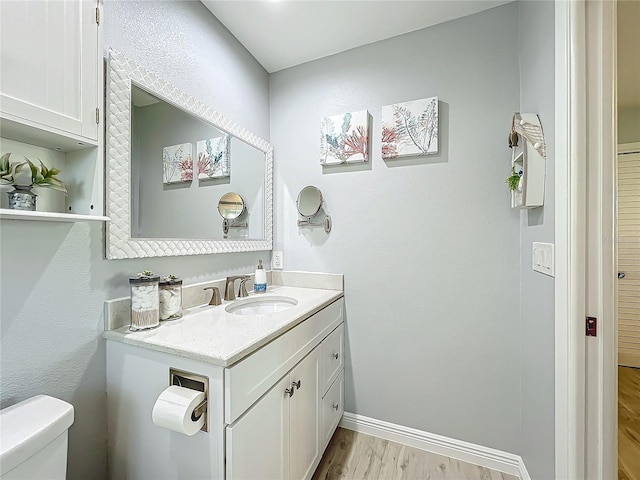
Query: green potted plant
(514, 180)
(22, 198)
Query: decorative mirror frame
(121, 72)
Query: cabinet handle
(295, 385)
(335, 355)
(335, 406)
(289, 392)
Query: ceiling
(284, 33)
(628, 57)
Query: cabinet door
(257, 445)
(305, 417)
(49, 57)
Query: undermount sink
(261, 305)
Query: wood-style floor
(628, 423)
(356, 456)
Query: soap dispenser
(260, 279)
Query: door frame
(585, 428)
(569, 243)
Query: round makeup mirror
(309, 206)
(231, 206)
(309, 201)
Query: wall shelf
(6, 214)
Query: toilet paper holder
(194, 382)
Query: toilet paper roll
(174, 407)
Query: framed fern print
(213, 157)
(177, 164)
(344, 138)
(410, 128)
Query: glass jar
(170, 298)
(144, 302)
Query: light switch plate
(277, 260)
(543, 258)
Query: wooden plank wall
(629, 259)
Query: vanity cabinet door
(50, 59)
(257, 444)
(305, 412)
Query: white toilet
(33, 439)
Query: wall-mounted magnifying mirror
(231, 207)
(309, 204)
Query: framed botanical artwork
(177, 164)
(410, 128)
(344, 138)
(213, 157)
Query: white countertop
(212, 335)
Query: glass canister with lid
(170, 298)
(144, 301)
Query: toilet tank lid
(29, 426)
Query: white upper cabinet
(49, 52)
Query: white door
(49, 57)
(629, 259)
(305, 417)
(257, 444)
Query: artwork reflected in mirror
(174, 193)
(177, 165)
(213, 157)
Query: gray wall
(54, 278)
(429, 247)
(536, 46)
(629, 124)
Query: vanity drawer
(246, 381)
(332, 357)
(332, 409)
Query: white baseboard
(430, 442)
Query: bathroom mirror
(309, 205)
(169, 160)
(231, 206)
(309, 201)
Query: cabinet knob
(289, 391)
(295, 385)
(335, 355)
(335, 406)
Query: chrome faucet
(229, 294)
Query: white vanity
(275, 386)
(272, 374)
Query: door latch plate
(592, 326)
